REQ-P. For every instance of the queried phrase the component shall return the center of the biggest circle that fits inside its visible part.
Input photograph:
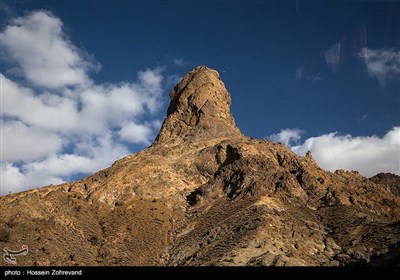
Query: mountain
(205, 194)
(389, 180)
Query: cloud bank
(367, 154)
(56, 121)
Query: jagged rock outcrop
(205, 194)
(389, 180)
(199, 110)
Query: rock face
(389, 180)
(205, 194)
(199, 110)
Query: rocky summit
(204, 194)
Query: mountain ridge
(205, 194)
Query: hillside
(205, 194)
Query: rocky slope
(205, 194)
(390, 181)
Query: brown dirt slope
(205, 194)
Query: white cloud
(26, 143)
(88, 157)
(180, 62)
(55, 120)
(332, 57)
(43, 54)
(367, 154)
(135, 133)
(46, 111)
(287, 136)
(11, 178)
(382, 64)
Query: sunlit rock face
(205, 194)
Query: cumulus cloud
(135, 133)
(367, 154)
(287, 136)
(88, 157)
(55, 120)
(382, 64)
(43, 53)
(26, 143)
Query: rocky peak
(199, 108)
(205, 195)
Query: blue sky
(86, 82)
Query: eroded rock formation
(205, 194)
